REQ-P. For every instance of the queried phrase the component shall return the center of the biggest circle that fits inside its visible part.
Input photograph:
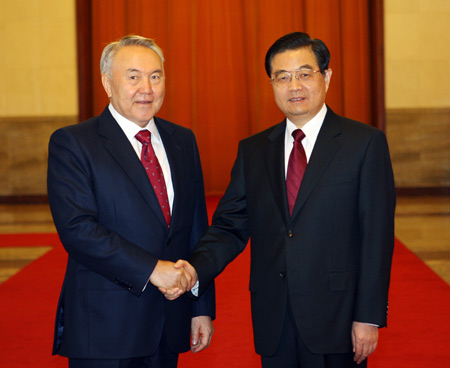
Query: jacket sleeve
(73, 203)
(229, 232)
(376, 219)
(206, 304)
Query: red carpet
(418, 334)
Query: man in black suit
(320, 255)
(122, 230)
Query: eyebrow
(305, 66)
(133, 70)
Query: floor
(422, 224)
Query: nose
(146, 86)
(295, 83)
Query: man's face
(299, 100)
(137, 87)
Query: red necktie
(296, 168)
(154, 172)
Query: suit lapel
(324, 150)
(274, 159)
(176, 161)
(118, 145)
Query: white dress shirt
(131, 129)
(311, 130)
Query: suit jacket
(111, 225)
(332, 256)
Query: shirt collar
(131, 129)
(311, 128)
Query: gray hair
(110, 51)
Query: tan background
(38, 58)
(417, 56)
(38, 92)
(38, 89)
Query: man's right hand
(173, 279)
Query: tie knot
(144, 136)
(298, 135)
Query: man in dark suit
(123, 236)
(321, 254)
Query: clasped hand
(173, 279)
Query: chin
(298, 114)
(144, 119)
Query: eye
(305, 75)
(283, 77)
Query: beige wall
(38, 89)
(38, 58)
(417, 39)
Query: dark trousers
(161, 358)
(292, 352)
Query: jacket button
(282, 274)
(169, 241)
(290, 234)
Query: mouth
(144, 102)
(296, 99)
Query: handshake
(173, 279)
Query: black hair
(294, 41)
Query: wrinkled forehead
(137, 57)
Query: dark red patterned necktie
(154, 172)
(296, 168)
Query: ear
(106, 84)
(328, 73)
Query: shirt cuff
(194, 289)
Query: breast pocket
(336, 180)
